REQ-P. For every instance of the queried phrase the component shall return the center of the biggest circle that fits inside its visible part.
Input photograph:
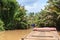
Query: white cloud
(33, 5)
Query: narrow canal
(13, 34)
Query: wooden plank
(38, 39)
(36, 34)
(42, 35)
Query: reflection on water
(13, 34)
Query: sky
(33, 5)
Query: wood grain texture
(42, 35)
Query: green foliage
(55, 6)
(20, 19)
(48, 19)
(8, 9)
(1, 25)
(50, 16)
(32, 19)
(12, 15)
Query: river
(14, 34)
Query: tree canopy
(50, 16)
(14, 16)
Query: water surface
(13, 34)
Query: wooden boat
(42, 34)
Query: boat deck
(42, 35)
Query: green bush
(1, 25)
(21, 25)
(10, 26)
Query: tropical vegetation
(14, 16)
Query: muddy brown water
(14, 34)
